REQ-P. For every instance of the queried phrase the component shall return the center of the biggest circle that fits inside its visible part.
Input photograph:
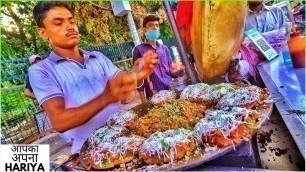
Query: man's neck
(257, 8)
(153, 43)
(72, 53)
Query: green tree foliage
(19, 39)
(97, 23)
(14, 106)
(19, 34)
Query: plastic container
(296, 45)
(285, 53)
(175, 54)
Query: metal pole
(190, 73)
(133, 28)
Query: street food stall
(209, 125)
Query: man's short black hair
(42, 8)
(150, 18)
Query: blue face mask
(152, 35)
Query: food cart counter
(287, 86)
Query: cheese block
(216, 34)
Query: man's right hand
(121, 87)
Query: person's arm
(142, 96)
(28, 93)
(62, 119)
(136, 55)
(144, 73)
(120, 86)
(175, 68)
(117, 89)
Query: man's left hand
(176, 69)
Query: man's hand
(29, 93)
(121, 87)
(144, 66)
(176, 69)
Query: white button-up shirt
(268, 19)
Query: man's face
(152, 25)
(60, 29)
(255, 3)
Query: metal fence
(17, 120)
(21, 117)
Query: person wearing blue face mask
(166, 70)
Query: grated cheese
(163, 96)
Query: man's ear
(42, 33)
(144, 30)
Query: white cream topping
(105, 134)
(162, 142)
(163, 96)
(118, 146)
(121, 117)
(219, 90)
(226, 121)
(194, 91)
(240, 97)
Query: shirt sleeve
(44, 87)
(282, 17)
(136, 54)
(168, 56)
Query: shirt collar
(264, 8)
(56, 58)
(147, 43)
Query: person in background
(274, 26)
(270, 21)
(166, 70)
(299, 9)
(264, 18)
(302, 11)
(28, 92)
(298, 5)
(299, 15)
(78, 89)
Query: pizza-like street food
(178, 114)
(219, 90)
(207, 95)
(228, 126)
(249, 97)
(168, 146)
(111, 153)
(121, 118)
(163, 97)
(195, 93)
